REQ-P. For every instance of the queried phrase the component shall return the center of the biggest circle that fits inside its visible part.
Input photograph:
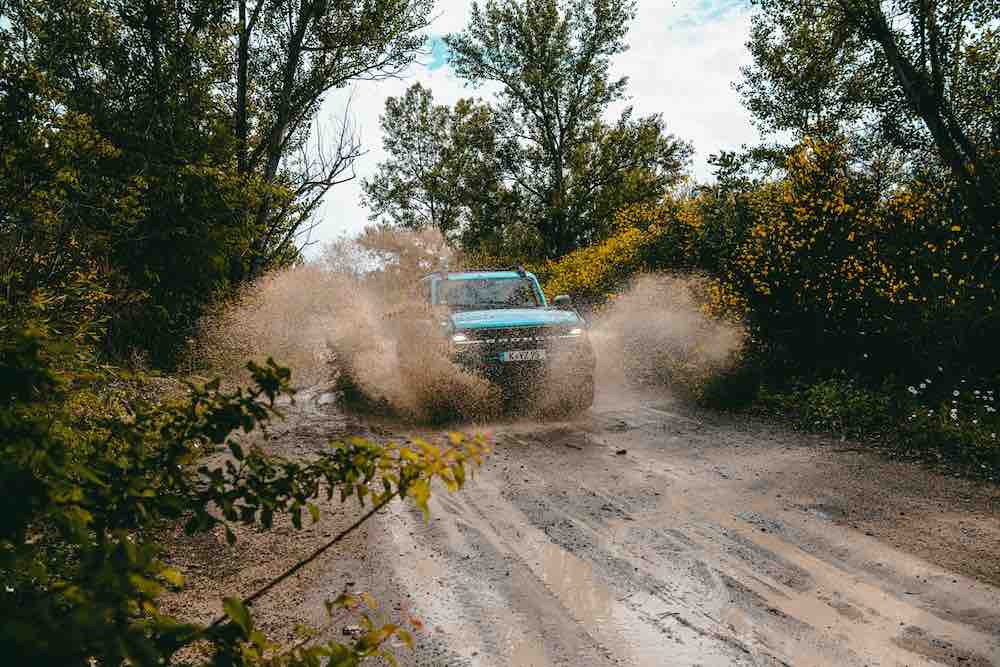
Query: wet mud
(644, 533)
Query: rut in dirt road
(645, 536)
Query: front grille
(507, 337)
(488, 342)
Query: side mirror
(563, 302)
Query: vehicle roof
(479, 275)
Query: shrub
(835, 405)
(934, 418)
(79, 559)
(845, 286)
(647, 237)
(831, 269)
(734, 388)
(957, 418)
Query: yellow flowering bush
(850, 291)
(646, 237)
(853, 293)
(831, 266)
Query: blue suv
(498, 324)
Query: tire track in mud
(642, 534)
(666, 585)
(583, 615)
(609, 594)
(651, 557)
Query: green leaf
(239, 614)
(172, 576)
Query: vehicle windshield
(489, 293)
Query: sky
(683, 57)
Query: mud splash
(386, 354)
(356, 317)
(353, 317)
(659, 332)
(285, 315)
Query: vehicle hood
(498, 318)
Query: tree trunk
(974, 176)
(242, 56)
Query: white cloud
(682, 62)
(683, 59)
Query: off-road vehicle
(497, 323)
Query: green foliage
(912, 85)
(939, 421)
(835, 405)
(137, 157)
(961, 423)
(135, 198)
(444, 172)
(90, 483)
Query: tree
(915, 75)
(554, 170)
(56, 170)
(414, 189)
(444, 170)
(289, 55)
(552, 60)
(210, 168)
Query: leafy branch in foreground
(79, 555)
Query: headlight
(459, 338)
(575, 332)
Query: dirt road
(643, 533)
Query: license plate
(523, 355)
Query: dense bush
(957, 416)
(837, 405)
(850, 293)
(647, 238)
(90, 480)
(839, 274)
